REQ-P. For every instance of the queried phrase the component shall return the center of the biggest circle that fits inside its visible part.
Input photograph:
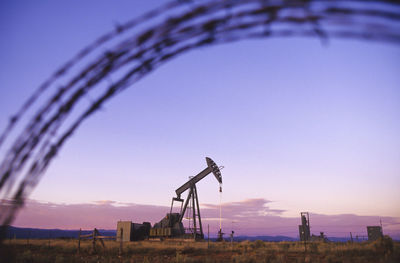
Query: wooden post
(120, 242)
(208, 236)
(29, 235)
(79, 241)
(49, 237)
(351, 237)
(94, 240)
(99, 237)
(232, 240)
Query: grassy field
(58, 251)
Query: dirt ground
(66, 250)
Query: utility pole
(29, 235)
(120, 242)
(94, 240)
(233, 232)
(79, 241)
(208, 236)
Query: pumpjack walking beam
(211, 168)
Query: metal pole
(220, 211)
(172, 204)
(79, 241)
(208, 236)
(185, 206)
(120, 242)
(29, 235)
(198, 211)
(232, 241)
(194, 215)
(94, 240)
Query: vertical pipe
(27, 240)
(198, 211)
(185, 206)
(308, 227)
(194, 214)
(232, 241)
(220, 212)
(120, 241)
(172, 204)
(79, 241)
(181, 206)
(208, 236)
(94, 240)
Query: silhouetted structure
(304, 228)
(320, 238)
(220, 237)
(171, 225)
(374, 232)
(132, 231)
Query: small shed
(374, 232)
(132, 231)
(126, 227)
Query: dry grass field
(58, 251)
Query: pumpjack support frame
(193, 197)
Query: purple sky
(311, 127)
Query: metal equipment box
(132, 231)
(126, 227)
(374, 232)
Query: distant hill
(37, 233)
(264, 238)
(18, 232)
(34, 233)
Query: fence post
(79, 241)
(27, 240)
(120, 242)
(94, 240)
(49, 237)
(232, 240)
(99, 237)
(208, 236)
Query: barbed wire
(140, 46)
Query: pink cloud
(100, 214)
(248, 217)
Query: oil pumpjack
(171, 225)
